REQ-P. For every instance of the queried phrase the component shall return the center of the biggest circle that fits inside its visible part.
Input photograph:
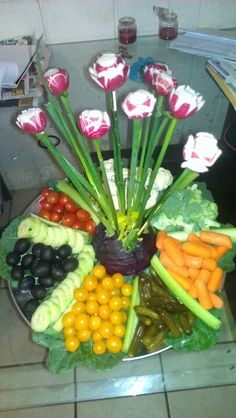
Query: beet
(110, 253)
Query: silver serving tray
(20, 298)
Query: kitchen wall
(22, 163)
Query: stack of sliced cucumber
(51, 310)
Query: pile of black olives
(39, 267)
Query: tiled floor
(16, 349)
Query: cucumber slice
(58, 237)
(54, 309)
(87, 238)
(58, 325)
(26, 228)
(75, 278)
(49, 240)
(88, 248)
(40, 319)
(72, 237)
(87, 261)
(42, 233)
(68, 286)
(59, 298)
(63, 234)
(79, 245)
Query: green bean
(137, 340)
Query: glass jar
(168, 25)
(127, 30)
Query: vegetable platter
(85, 314)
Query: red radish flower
(184, 102)
(200, 152)
(139, 104)
(57, 80)
(160, 78)
(93, 123)
(109, 71)
(32, 121)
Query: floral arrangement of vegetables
(148, 270)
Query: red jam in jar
(127, 30)
(168, 25)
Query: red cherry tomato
(82, 215)
(58, 208)
(55, 217)
(45, 192)
(71, 207)
(90, 227)
(53, 197)
(68, 219)
(45, 205)
(44, 214)
(78, 225)
(63, 199)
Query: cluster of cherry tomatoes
(58, 207)
(98, 313)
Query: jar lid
(127, 20)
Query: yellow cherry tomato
(98, 288)
(80, 294)
(68, 319)
(114, 344)
(92, 307)
(106, 329)
(99, 271)
(104, 311)
(99, 347)
(81, 321)
(94, 322)
(96, 336)
(72, 344)
(115, 303)
(116, 317)
(107, 283)
(119, 330)
(69, 331)
(115, 292)
(103, 296)
(84, 335)
(92, 296)
(125, 317)
(78, 307)
(127, 289)
(125, 302)
(90, 282)
(118, 279)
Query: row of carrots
(194, 264)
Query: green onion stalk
(116, 143)
(81, 184)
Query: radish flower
(139, 104)
(32, 121)
(109, 71)
(184, 102)
(200, 152)
(57, 80)
(160, 78)
(93, 123)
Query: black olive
(41, 269)
(12, 258)
(48, 253)
(30, 307)
(46, 281)
(64, 251)
(22, 245)
(26, 283)
(27, 260)
(70, 264)
(38, 292)
(37, 248)
(58, 273)
(17, 272)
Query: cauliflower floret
(164, 179)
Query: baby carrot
(203, 294)
(193, 261)
(184, 282)
(216, 238)
(216, 300)
(204, 275)
(193, 272)
(221, 250)
(173, 252)
(209, 264)
(193, 238)
(168, 263)
(192, 291)
(161, 235)
(215, 281)
(196, 249)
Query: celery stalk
(64, 187)
(132, 318)
(183, 296)
(182, 236)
